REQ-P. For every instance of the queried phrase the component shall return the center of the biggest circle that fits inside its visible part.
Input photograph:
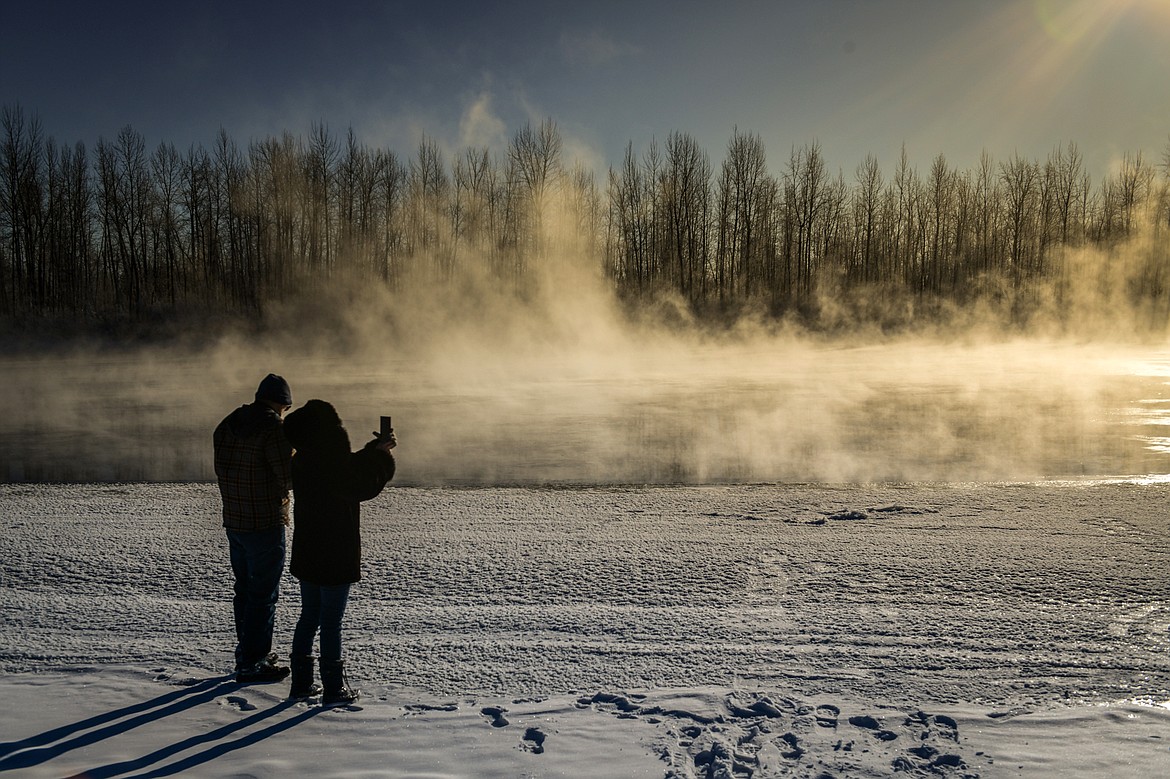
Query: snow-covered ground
(741, 631)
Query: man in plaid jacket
(252, 465)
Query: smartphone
(386, 428)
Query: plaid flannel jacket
(252, 464)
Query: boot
(303, 685)
(262, 672)
(337, 690)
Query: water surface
(676, 413)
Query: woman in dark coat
(329, 483)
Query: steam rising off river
(752, 410)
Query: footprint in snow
(790, 747)
(761, 706)
(932, 759)
(496, 715)
(239, 702)
(340, 708)
(866, 722)
(533, 741)
(1018, 711)
(424, 708)
(946, 727)
(687, 735)
(933, 727)
(826, 715)
(626, 705)
(716, 760)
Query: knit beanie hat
(274, 388)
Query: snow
(722, 631)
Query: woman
(329, 482)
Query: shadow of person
(207, 755)
(40, 748)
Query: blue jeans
(257, 562)
(321, 608)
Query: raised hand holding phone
(386, 438)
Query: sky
(856, 77)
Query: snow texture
(740, 631)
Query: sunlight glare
(1069, 22)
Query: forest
(126, 233)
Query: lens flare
(1076, 21)
(1072, 22)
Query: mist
(559, 384)
(537, 342)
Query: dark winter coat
(329, 484)
(252, 468)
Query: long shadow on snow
(189, 762)
(32, 750)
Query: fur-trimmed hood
(316, 429)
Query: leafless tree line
(122, 231)
(125, 231)
(789, 242)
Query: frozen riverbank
(796, 629)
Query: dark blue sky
(857, 76)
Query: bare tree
(686, 189)
(391, 179)
(21, 206)
(322, 153)
(583, 202)
(428, 187)
(742, 190)
(278, 175)
(124, 201)
(1064, 179)
(74, 230)
(1135, 184)
(475, 179)
(806, 183)
(166, 168)
(630, 223)
(866, 219)
(234, 223)
(1020, 179)
(535, 158)
(940, 214)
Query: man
(252, 465)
